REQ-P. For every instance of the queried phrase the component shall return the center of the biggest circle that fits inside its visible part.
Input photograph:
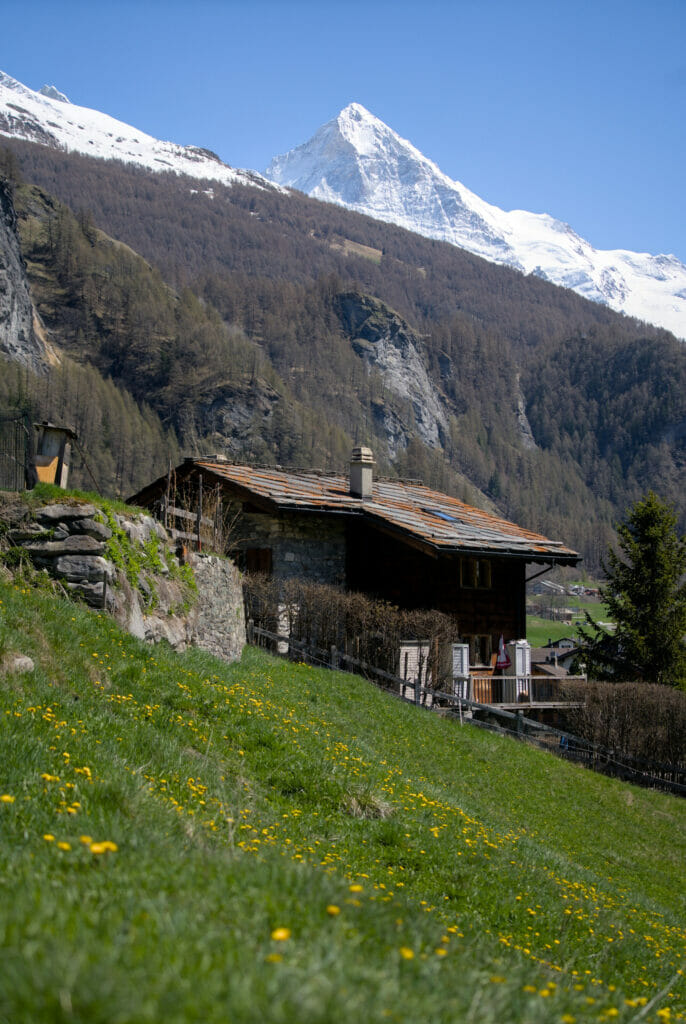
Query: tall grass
(184, 840)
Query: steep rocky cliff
(18, 338)
(387, 344)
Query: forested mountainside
(280, 329)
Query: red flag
(503, 660)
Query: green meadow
(539, 630)
(186, 840)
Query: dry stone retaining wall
(73, 543)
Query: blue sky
(572, 109)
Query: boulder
(91, 527)
(52, 514)
(17, 663)
(49, 550)
(84, 568)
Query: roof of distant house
(547, 668)
(433, 521)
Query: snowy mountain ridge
(358, 162)
(48, 118)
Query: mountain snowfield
(359, 162)
(47, 117)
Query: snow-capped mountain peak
(54, 94)
(50, 119)
(357, 161)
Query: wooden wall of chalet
(380, 565)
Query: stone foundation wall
(217, 621)
(312, 548)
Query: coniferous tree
(646, 595)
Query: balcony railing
(513, 691)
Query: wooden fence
(16, 451)
(488, 715)
(203, 528)
(407, 690)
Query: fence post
(250, 632)
(418, 688)
(199, 548)
(219, 521)
(520, 724)
(333, 660)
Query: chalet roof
(414, 513)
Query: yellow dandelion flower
(441, 951)
(103, 847)
(568, 1019)
(356, 888)
(273, 958)
(6, 798)
(332, 910)
(64, 846)
(86, 840)
(48, 837)
(281, 934)
(406, 953)
(497, 979)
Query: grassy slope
(424, 872)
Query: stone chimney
(361, 472)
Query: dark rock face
(18, 339)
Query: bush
(641, 720)
(323, 616)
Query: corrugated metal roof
(436, 520)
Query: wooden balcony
(514, 693)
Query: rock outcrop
(125, 565)
(18, 339)
(387, 344)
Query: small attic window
(441, 515)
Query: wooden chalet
(398, 541)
